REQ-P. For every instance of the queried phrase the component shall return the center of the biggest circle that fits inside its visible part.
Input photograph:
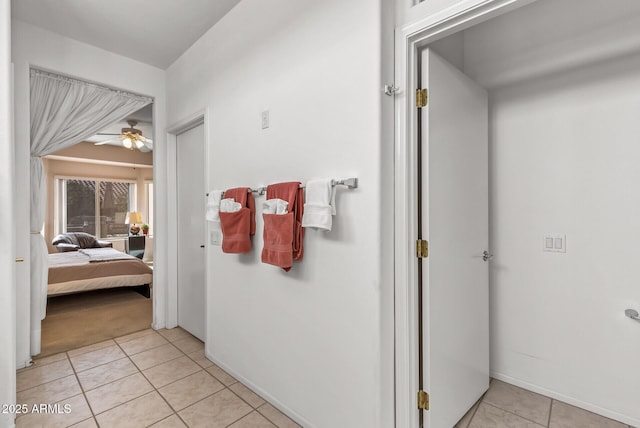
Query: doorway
(560, 83)
(190, 151)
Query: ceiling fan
(130, 138)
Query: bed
(97, 268)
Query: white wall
(564, 159)
(32, 46)
(7, 250)
(316, 340)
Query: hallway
(148, 378)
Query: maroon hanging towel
(237, 227)
(283, 233)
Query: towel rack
(350, 183)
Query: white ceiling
(155, 32)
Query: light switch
(555, 243)
(265, 119)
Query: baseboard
(23, 364)
(261, 392)
(569, 400)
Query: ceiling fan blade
(106, 141)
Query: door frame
(409, 40)
(189, 122)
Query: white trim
(98, 162)
(567, 399)
(200, 117)
(409, 40)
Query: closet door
(455, 223)
(191, 230)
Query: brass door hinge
(422, 98)
(422, 249)
(423, 400)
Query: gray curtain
(64, 112)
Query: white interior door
(455, 222)
(191, 230)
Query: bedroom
(93, 187)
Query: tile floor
(163, 379)
(148, 378)
(507, 406)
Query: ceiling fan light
(127, 142)
(139, 144)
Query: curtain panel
(64, 112)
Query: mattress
(74, 271)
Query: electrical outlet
(265, 119)
(555, 243)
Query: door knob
(486, 256)
(201, 246)
(19, 259)
(633, 314)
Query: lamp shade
(133, 217)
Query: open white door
(191, 233)
(455, 223)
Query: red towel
(283, 233)
(238, 227)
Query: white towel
(275, 206)
(213, 205)
(320, 204)
(230, 205)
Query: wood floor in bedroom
(81, 319)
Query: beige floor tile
(141, 412)
(527, 404)
(171, 371)
(189, 344)
(96, 358)
(567, 416)
(106, 373)
(277, 417)
(143, 343)
(118, 392)
(78, 411)
(49, 359)
(172, 421)
(174, 334)
(50, 392)
(201, 359)
(87, 423)
(136, 335)
(221, 375)
(191, 389)
(464, 422)
(35, 376)
(489, 416)
(155, 356)
(216, 411)
(90, 348)
(253, 420)
(247, 395)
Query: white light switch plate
(554, 243)
(216, 237)
(265, 119)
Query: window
(93, 206)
